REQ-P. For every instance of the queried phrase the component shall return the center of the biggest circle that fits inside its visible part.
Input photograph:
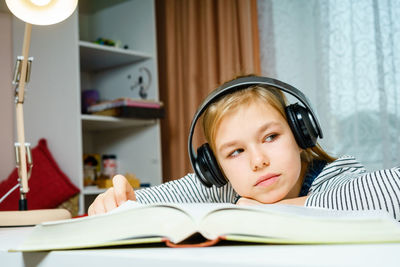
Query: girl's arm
(187, 189)
(378, 190)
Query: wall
(290, 41)
(7, 161)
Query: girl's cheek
(240, 185)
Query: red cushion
(48, 185)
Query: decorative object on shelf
(104, 183)
(91, 168)
(109, 170)
(143, 92)
(144, 88)
(109, 166)
(132, 180)
(89, 98)
(107, 42)
(45, 12)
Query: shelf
(112, 71)
(93, 190)
(100, 123)
(95, 57)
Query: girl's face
(258, 153)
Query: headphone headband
(245, 82)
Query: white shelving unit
(67, 62)
(113, 71)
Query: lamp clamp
(17, 74)
(29, 161)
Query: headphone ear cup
(303, 128)
(207, 168)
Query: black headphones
(302, 121)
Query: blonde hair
(230, 103)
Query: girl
(260, 154)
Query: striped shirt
(342, 184)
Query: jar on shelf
(109, 164)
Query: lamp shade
(42, 12)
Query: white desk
(252, 255)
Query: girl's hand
(113, 197)
(247, 201)
(297, 201)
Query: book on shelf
(125, 102)
(133, 112)
(129, 108)
(180, 225)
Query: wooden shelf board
(95, 57)
(100, 123)
(93, 190)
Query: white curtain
(345, 56)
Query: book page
(134, 223)
(322, 212)
(126, 224)
(295, 224)
(195, 210)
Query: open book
(134, 223)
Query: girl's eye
(235, 152)
(270, 138)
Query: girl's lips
(267, 180)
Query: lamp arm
(24, 67)
(19, 101)
(31, 12)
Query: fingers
(123, 191)
(109, 202)
(103, 203)
(113, 197)
(97, 207)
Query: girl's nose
(260, 160)
(260, 166)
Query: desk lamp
(37, 12)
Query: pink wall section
(7, 161)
